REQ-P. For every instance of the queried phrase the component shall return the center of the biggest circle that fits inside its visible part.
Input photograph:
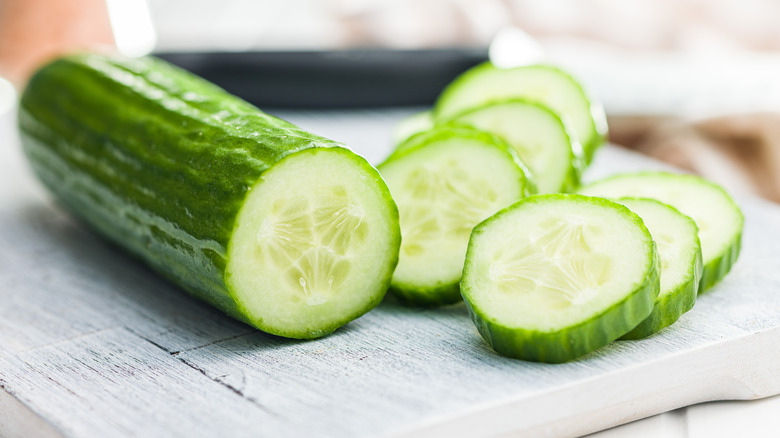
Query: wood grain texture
(112, 383)
(94, 344)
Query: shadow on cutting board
(73, 281)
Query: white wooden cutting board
(93, 344)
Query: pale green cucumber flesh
(541, 139)
(719, 219)
(676, 237)
(554, 277)
(311, 251)
(547, 85)
(447, 182)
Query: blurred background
(692, 82)
(695, 83)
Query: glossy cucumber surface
(163, 163)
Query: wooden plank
(113, 383)
(711, 372)
(88, 335)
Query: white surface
(96, 345)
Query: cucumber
(544, 84)
(280, 228)
(719, 219)
(445, 181)
(556, 276)
(541, 139)
(677, 240)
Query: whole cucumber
(283, 229)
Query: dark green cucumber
(173, 168)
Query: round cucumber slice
(541, 139)
(676, 237)
(545, 84)
(719, 219)
(556, 276)
(311, 252)
(446, 181)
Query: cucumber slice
(545, 84)
(719, 219)
(541, 139)
(676, 237)
(556, 276)
(414, 124)
(446, 181)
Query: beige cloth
(742, 151)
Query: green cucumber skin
(670, 308)
(589, 146)
(715, 270)
(157, 160)
(574, 341)
(415, 296)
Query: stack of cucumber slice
(717, 216)
(552, 276)
(541, 111)
(548, 85)
(556, 276)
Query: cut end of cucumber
(315, 244)
(444, 186)
(555, 276)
